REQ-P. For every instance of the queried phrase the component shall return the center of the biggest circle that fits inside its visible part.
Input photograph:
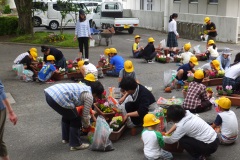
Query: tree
(24, 8)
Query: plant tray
(173, 148)
(74, 75)
(107, 116)
(215, 81)
(115, 135)
(58, 76)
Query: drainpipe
(168, 7)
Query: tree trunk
(24, 8)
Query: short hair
(175, 113)
(198, 80)
(128, 83)
(86, 63)
(96, 87)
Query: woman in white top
(82, 33)
(172, 34)
(192, 133)
(232, 75)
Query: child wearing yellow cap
(225, 124)
(212, 52)
(85, 67)
(213, 66)
(149, 51)
(116, 63)
(136, 49)
(153, 139)
(186, 55)
(197, 99)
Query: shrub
(7, 9)
(8, 25)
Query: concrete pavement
(37, 135)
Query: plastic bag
(163, 43)
(197, 49)
(169, 76)
(27, 75)
(92, 43)
(101, 140)
(19, 69)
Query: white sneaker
(83, 146)
(64, 141)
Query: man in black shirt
(211, 29)
(59, 57)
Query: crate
(74, 75)
(107, 116)
(115, 135)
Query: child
(213, 66)
(116, 63)
(225, 124)
(196, 99)
(225, 59)
(183, 70)
(212, 52)
(136, 50)
(153, 140)
(47, 70)
(149, 51)
(186, 55)
(21, 56)
(85, 67)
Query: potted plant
(118, 127)
(162, 58)
(219, 90)
(177, 59)
(209, 91)
(220, 74)
(229, 90)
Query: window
(111, 6)
(213, 1)
(193, 1)
(142, 4)
(149, 5)
(39, 5)
(176, 0)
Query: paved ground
(37, 135)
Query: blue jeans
(112, 73)
(71, 122)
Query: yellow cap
(194, 60)
(150, 39)
(106, 51)
(137, 36)
(113, 50)
(128, 66)
(90, 77)
(224, 102)
(198, 74)
(211, 42)
(187, 46)
(206, 19)
(33, 49)
(150, 120)
(34, 55)
(80, 63)
(216, 64)
(50, 58)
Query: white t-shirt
(229, 127)
(90, 68)
(233, 71)
(186, 57)
(213, 52)
(192, 126)
(172, 27)
(151, 147)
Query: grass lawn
(41, 38)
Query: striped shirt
(82, 29)
(20, 57)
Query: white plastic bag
(197, 49)
(19, 69)
(101, 140)
(27, 75)
(169, 76)
(92, 43)
(163, 43)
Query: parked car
(109, 14)
(39, 11)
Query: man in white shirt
(193, 134)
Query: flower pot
(215, 81)
(107, 116)
(58, 76)
(115, 135)
(74, 75)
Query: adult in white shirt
(82, 33)
(232, 75)
(193, 134)
(172, 42)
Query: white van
(39, 12)
(52, 20)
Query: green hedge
(8, 25)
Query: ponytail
(174, 15)
(214, 46)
